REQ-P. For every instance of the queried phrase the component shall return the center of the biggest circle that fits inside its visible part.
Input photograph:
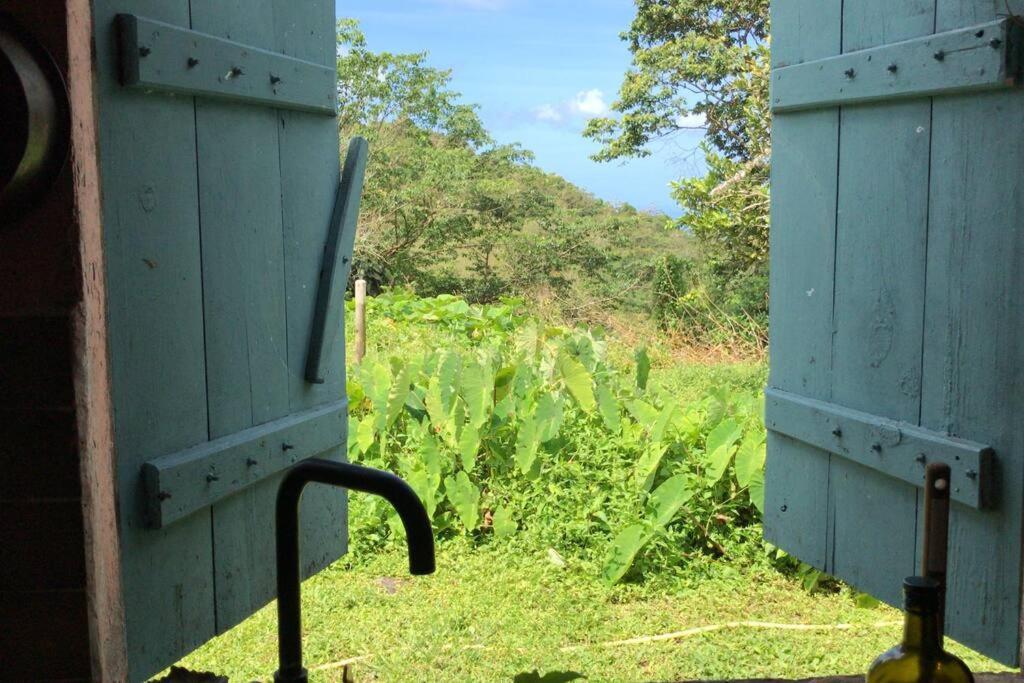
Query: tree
(704, 63)
(448, 210)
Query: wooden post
(360, 320)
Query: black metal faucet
(405, 501)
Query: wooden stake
(936, 526)
(360, 320)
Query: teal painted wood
(925, 332)
(974, 58)
(160, 57)
(973, 355)
(337, 261)
(879, 294)
(182, 483)
(896, 449)
(310, 172)
(244, 290)
(805, 155)
(151, 240)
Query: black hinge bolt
(940, 55)
(192, 62)
(893, 68)
(212, 477)
(274, 80)
(851, 73)
(837, 432)
(876, 447)
(287, 447)
(144, 51)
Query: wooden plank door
(218, 185)
(895, 251)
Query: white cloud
(485, 5)
(590, 102)
(692, 121)
(586, 104)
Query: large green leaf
(659, 432)
(647, 465)
(578, 381)
(720, 445)
(750, 458)
(469, 444)
(623, 552)
(449, 377)
(670, 495)
(465, 498)
(477, 392)
(643, 368)
(609, 408)
(755, 489)
(365, 433)
(503, 523)
(399, 391)
(527, 443)
(548, 416)
(435, 404)
(643, 412)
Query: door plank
(244, 308)
(805, 162)
(880, 278)
(151, 237)
(310, 172)
(973, 350)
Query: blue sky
(538, 69)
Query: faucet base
(300, 676)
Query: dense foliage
(447, 210)
(704, 64)
(520, 427)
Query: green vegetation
(447, 210)
(704, 64)
(635, 521)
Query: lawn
(501, 615)
(528, 586)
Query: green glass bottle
(920, 657)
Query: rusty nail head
(893, 68)
(876, 447)
(837, 432)
(850, 73)
(783, 508)
(275, 79)
(940, 55)
(237, 71)
(192, 62)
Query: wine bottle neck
(921, 631)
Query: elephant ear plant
(531, 427)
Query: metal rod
(419, 534)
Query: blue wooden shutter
(219, 156)
(896, 261)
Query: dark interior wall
(43, 598)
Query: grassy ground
(499, 616)
(513, 611)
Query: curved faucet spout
(419, 534)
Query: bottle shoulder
(900, 665)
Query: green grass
(493, 615)
(502, 610)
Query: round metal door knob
(34, 109)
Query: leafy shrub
(530, 429)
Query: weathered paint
(161, 57)
(971, 59)
(918, 326)
(216, 209)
